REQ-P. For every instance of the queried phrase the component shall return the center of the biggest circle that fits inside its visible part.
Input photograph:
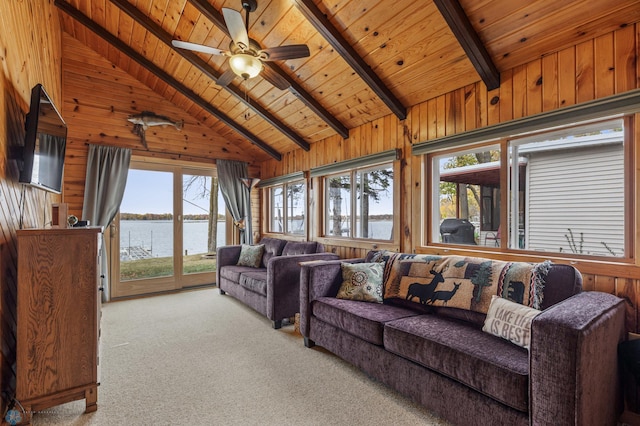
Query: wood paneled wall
(30, 53)
(98, 99)
(593, 69)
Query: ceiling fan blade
(274, 78)
(198, 48)
(226, 78)
(280, 53)
(236, 28)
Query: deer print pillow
(445, 283)
(464, 282)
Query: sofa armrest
(226, 255)
(283, 283)
(574, 362)
(318, 279)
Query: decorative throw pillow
(362, 281)
(464, 282)
(251, 255)
(510, 320)
(392, 265)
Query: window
(466, 193)
(276, 213)
(573, 191)
(565, 192)
(287, 208)
(296, 204)
(339, 206)
(164, 238)
(359, 203)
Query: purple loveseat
(273, 289)
(441, 358)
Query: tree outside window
(287, 208)
(296, 208)
(369, 193)
(467, 184)
(276, 211)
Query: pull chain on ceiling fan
(246, 56)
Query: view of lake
(156, 236)
(378, 229)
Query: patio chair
(493, 236)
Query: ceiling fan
(246, 55)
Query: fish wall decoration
(144, 120)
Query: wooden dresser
(58, 317)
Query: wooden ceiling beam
(164, 76)
(320, 21)
(305, 97)
(462, 29)
(207, 69)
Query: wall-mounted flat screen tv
(44, 144)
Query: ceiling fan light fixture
(245, 66)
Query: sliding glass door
(167, 231)
(202, 231)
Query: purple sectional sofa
(273, 288)
(441, 358)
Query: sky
(152, 192)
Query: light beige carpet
(199, 358)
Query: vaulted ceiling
(367, 59)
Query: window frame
(285, 219)
(393, 241)
(430, 239)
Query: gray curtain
(107, 169)
(236, 195)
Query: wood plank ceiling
(368, 59)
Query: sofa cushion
(251, 255)
(476, 318)
(232, 272)
(562, 282)
(292, 248)
(488, 364)
(255, 281)
(272, 247)
(364, 320)
(361, 281)
(509, 320)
